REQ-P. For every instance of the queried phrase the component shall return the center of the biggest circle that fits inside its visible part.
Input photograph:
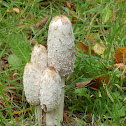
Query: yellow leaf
(15, 9)
(99, 48)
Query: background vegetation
(95, 93)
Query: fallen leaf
(15, 9)
(83, 48)
(93, 38)
(40, 24)
(17, 119)
(99, 48)
(95, 83)
(27, 110)
(66, 118)
(121, 66)
(120, 56)
(69, 4)
(73, 20)
(82, 84)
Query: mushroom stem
(61, 105)
(38, 114)
(52, 116)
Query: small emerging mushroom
(60, 45)
(32, 76)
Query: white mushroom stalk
(61, 53)
(32, 76)
(50, 94)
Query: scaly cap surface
(39, 57)
(61, 45)
(31, 83)
(50, 89)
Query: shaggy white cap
(39, 57)
(32, 74)
(31, 82)
(50, 89)
(61, 45)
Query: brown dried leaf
(82, 84)
(69, 4)
(17, 119)
(121, 66)
(120, 56)
(40, 24)
(73, 20)
(66, 118)
(95, 82)
(83, 48)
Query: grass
(85, 106)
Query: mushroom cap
(50, 89)
(61, 45)
(39, 57)
(31, 83)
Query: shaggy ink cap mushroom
(61, 45)
(39, 56)
(32, 74)
(50, 89)
(31, 82)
